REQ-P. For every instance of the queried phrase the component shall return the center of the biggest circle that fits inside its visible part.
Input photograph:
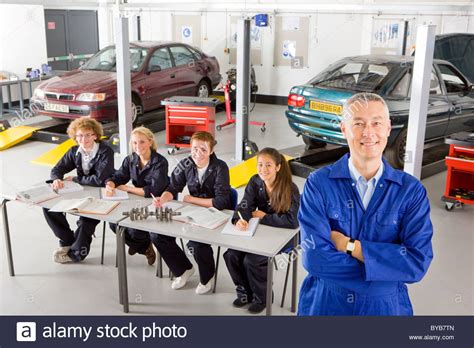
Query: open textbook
(88, 205)
(44, 192)
(231, 229)
(205, 217)
(37, 194)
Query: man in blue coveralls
(370, 224)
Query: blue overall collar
(340, 170)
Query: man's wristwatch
(350, 246)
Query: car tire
(312, 143)
(395, 153)
(203, 89)
(137, 110)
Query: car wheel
(137, 110)
(395, 153)
(312, 143)
(203, 90)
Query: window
(181, 55)
(402, 87)
(196, 52)
(161, 57)
(105, 60)
(452, 80)
(435, 87)
(354, 76)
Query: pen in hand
(242, 224)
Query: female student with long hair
(93, 161)
(148, 171)
(207, 179)
(272, 197)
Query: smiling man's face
(367, 131)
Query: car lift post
(243, 87)
(423, 65)
(124, 89)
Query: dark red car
(158, 70)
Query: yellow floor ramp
(15, 135)
(52, 157)
(241, 173)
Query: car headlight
(90, 97)
(39, 93)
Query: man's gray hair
(361, 100)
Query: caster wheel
(218, 128)
(263, 129)
(171, 151)
(449, 206)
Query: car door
(160, 78)
(187, 74)
(461, 98)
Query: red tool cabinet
(185, 116)
(459, 188)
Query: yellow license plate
(325, 107)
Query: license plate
(325, 107)
(56, 107)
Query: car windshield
(105, 60)
(366, 77)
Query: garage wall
(336, 30)
(22, 40)
(332, 36)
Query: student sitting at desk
(207, 178)
(148, 171)
(271, 196)
(94, 163)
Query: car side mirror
(154, 68)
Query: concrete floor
(43, 287)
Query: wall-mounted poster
(288, 49)
(387, 36)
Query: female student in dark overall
(94, 163)
(207, 178)
(271, 196)
(148, 171)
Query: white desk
(115, 216)
(267, 241)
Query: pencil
(240, 216)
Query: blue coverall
(395, 234)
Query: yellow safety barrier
(52, 157)
(241, 173)
(15, 135)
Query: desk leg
(118, 263)
(6, 230)
(9, 94)
(20, 89)
(123, 270)
(269, 285)
(1, 101)
(295, 274)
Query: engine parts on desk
(161, 214)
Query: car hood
(79, 81)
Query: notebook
(69, 187)
(231, 229)
(88, 205)
(119, 195)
